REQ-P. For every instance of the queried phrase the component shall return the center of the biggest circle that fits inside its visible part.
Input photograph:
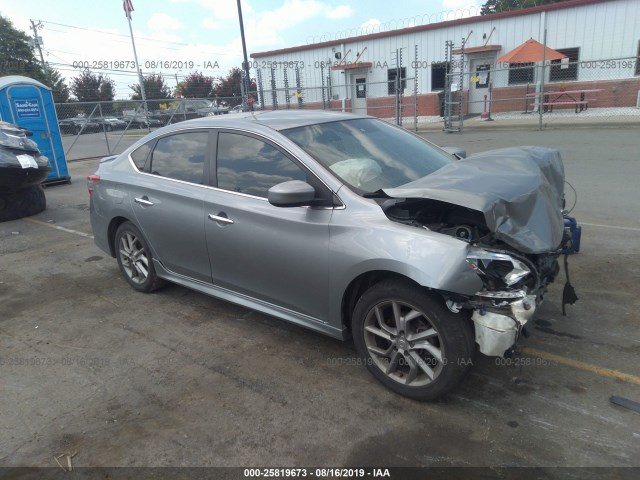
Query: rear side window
(251, 166)
(140, 155)
(181, 157)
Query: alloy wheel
(403, 343)
(134, 258)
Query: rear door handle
(143, 201)
(218, 218)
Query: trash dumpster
(29, 104)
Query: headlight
(496, 269)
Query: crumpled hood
(518, 190)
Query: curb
(492, 126)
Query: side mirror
(294, 193)
(456, 152)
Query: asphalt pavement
(176, 378)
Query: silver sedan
(346, 225)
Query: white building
(601, 39)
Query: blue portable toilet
(29, 104)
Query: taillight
(92, 180)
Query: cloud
(370, 25)
(341, 11)
(449, 5)
(210, 23)
(226, 9)
(262, 27)
(162, 21)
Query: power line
(141, 37)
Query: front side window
(250, 166)
(181, 157)
(367, 154)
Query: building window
(638, 60)
(520, 73)
(439, 73)
(565, 69)
(392, 73)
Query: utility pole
(247, 80)
(140, 79)
(36, 40)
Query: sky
(203, 35)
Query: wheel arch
(361, 284)
(114, 224)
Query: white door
(479, 78)
(359, 94)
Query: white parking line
(630, 229)
(58, 227)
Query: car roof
(277, 120)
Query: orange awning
(530, 51)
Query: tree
(17, 58)
(154, 89)
(195, 85)
(229, 88)
(495, 6)
(16, 53)
(89, 87)
(53, 79)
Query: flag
(128, 8)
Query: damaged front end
(507, 205)
(513, 287)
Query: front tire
(135, 259)
(410, 341)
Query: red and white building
(601, 39)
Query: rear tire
(135, 259)
(22, 203)
(410, 341)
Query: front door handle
(218, 218)
(143, 201)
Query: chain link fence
(534, 95)
(98, 129)
(558, 92)
(394, 101)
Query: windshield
(368, 154)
